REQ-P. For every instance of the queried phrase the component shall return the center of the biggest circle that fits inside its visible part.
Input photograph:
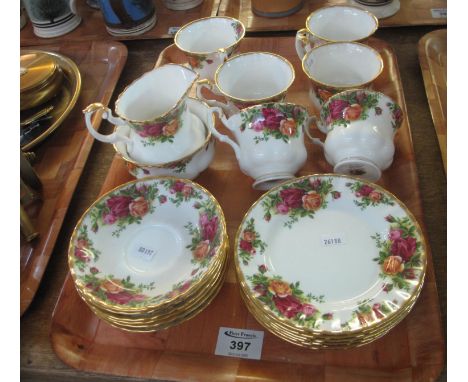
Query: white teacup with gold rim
(208, 42)
(337, 23)
(360, 126)
(270, 141)
(249, 79)
(335, 67)
(154, 107)
(187, 166)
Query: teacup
(360, 127)
(270, 141)
(335, 67)
(154, 107)
(188, 166)
(338, 23)
(208, 42)
(249, 79)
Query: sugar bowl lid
(37, 69)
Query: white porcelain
(338, 23)
(249, 79)
(180, 5)
(380, 11)
(188, 166)
(270, 141)
(330, 254)
(138, 244)
(154, 107)
(360, 127)
(208, 42)
(339, 66)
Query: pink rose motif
(118, 205)
(258, 125)
(80, 254)
(272, 117)
(120, 298)
(336, 107)
(315, 184)
(404, 248)
(108, 218)
(282, 209)
(246, 246)
(308, 309)
(361, 97)
(187, 190)
(288, 306)
(141, 188)
(139, 297)
(376, 309)
(365, 190)
(151, 130)
(139, 207)
(395, 234)
(185, 286)
(262, 268)
(178, 186)
(292, 197)
(209, 227)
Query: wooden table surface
(39, 362)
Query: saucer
(380, 11)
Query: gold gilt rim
(376, 20)
(174, 162)
(179, 32)
(163, 307)
(418, 286)
(219, 252)
(119, 98)
(260, 100)
(375, 51)
(75, 84)
(276, 103)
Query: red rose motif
(288, 306)
(178, 186)
(272, 117)
(80, 254)
(409, 274)
(404, 248)
(119, 205)
(397, 116)
(336, 194)
(120, 298)
(376, 309)
(337, 107)
(139, 207)
(262, 268)
(151, 130)
(185, 286)
(395, 234)
(108, 218)
(258, 125)
(292, 197)
(260, 289)
(245, 245)
(365, 190)
(209, 227)
(308, 309)
(352, 112)
(315, 184)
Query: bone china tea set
(153, 252)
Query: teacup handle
(106, 114)
(313, 120)
(222, 137)
(204, 83)
(302, 43)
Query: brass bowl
(41, 79)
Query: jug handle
(313, 120)
(204, 83)
(222, 137)
(106, 114)
(302, 43)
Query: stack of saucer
(150, 254)
(329, 261)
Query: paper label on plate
(240, 343)
(143, 252)
(172, 31)
(439, 13)
(332, 240)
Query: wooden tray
(413, 351)
(61, 158)
(433, 58)
(412, 12)
(92, 26)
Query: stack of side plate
(150, 254)
(329, 261)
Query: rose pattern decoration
(299, 200)
(368, 195)
(238, 29)
(181, 191)
(250, 242)
(285, 299)
(357, 105)
(279, 121)
(84, 252)
(124, 207)
(162, 131)
(399, 253)
(198, 61)
(368, 312)
(206, 237)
